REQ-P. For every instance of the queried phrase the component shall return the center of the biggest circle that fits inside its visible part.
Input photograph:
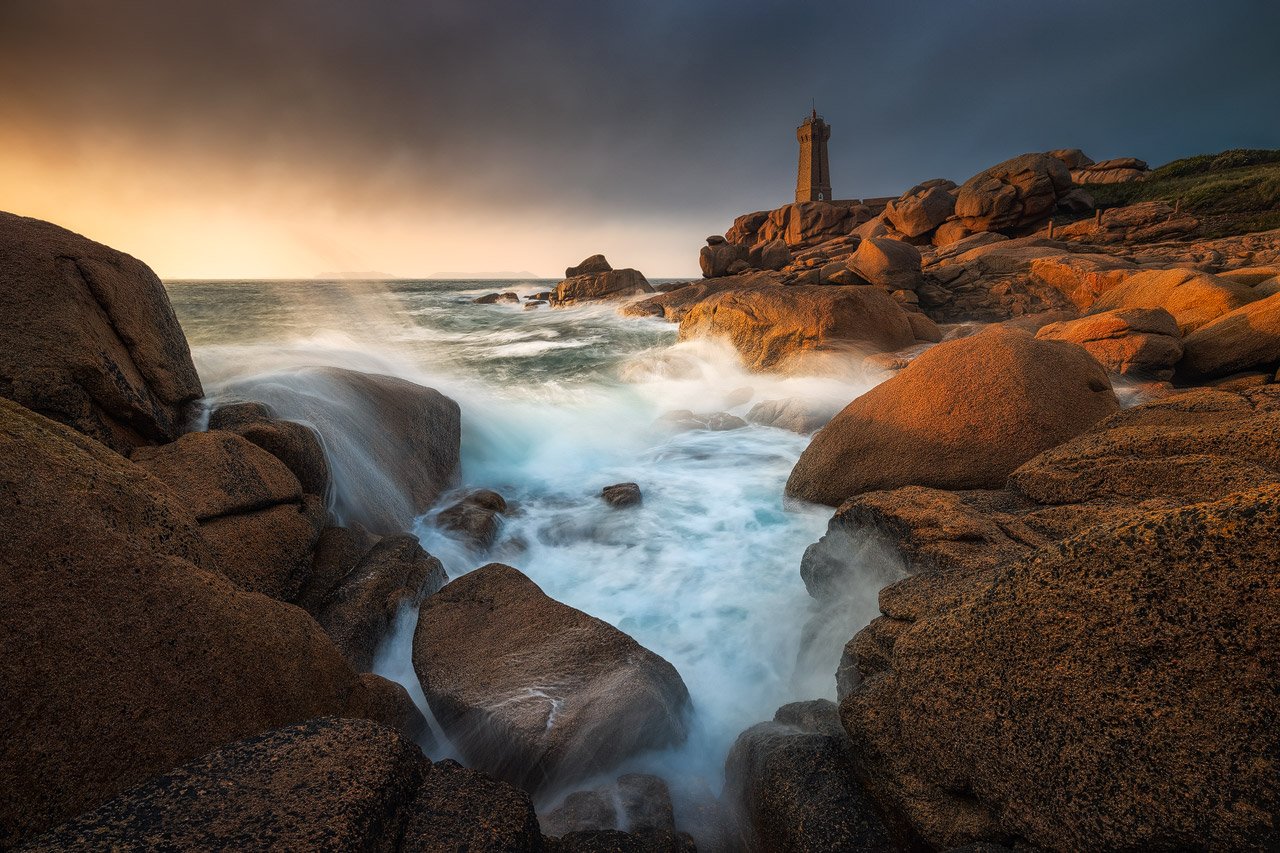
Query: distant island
(501, 275)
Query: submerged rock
(621, 495)
(635, 802)
(88, 337)
(962, 415)
(124, 650)
(795, 414)
(476, 518)
(535, 691)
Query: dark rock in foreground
(1107, 623)
(791, 787)
(534, 691)
(327, 784)
(635, 802)
(124, 651)
(88, 337)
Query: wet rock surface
(791, 786)
(535, 691)
(622, 495)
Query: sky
(292, 138)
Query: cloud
(531, 117)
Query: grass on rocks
(1234, 192)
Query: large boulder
(962, 415)
(922, 209)
(392, 445)
(535, 691)
(1193, 298)
(1141, 342)
(1112, 690)
(891, 264)
(772, 327)
(1014, 194)
(607, 284)
(88, 337)
(326, 784)
(1072, 158)
(675, 304)
(807, 223)
(1243, 339)
(124, 651)
(791, 787)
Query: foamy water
(557, 404)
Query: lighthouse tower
(813, 181)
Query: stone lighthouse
(813, 183)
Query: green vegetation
(1234, 192)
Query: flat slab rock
(535, 691)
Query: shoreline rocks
(775, 327)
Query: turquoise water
(557, 404)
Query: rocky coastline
(1071, 460)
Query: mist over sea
(557, 404)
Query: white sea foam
(704, 572)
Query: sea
(556, 404)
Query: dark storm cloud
(639, 108)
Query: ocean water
(557, 404)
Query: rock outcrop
(296, 445)
(774, 327)
(1141, 342)
(1118, 170)
(1193, 298)
(327, 784)
(962, 415)
(88, 337)
(1122, 586)
(394, 573)
(537, 692)
(124, 650)
(595, 279)
(1243, 339)
(1014, 194)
